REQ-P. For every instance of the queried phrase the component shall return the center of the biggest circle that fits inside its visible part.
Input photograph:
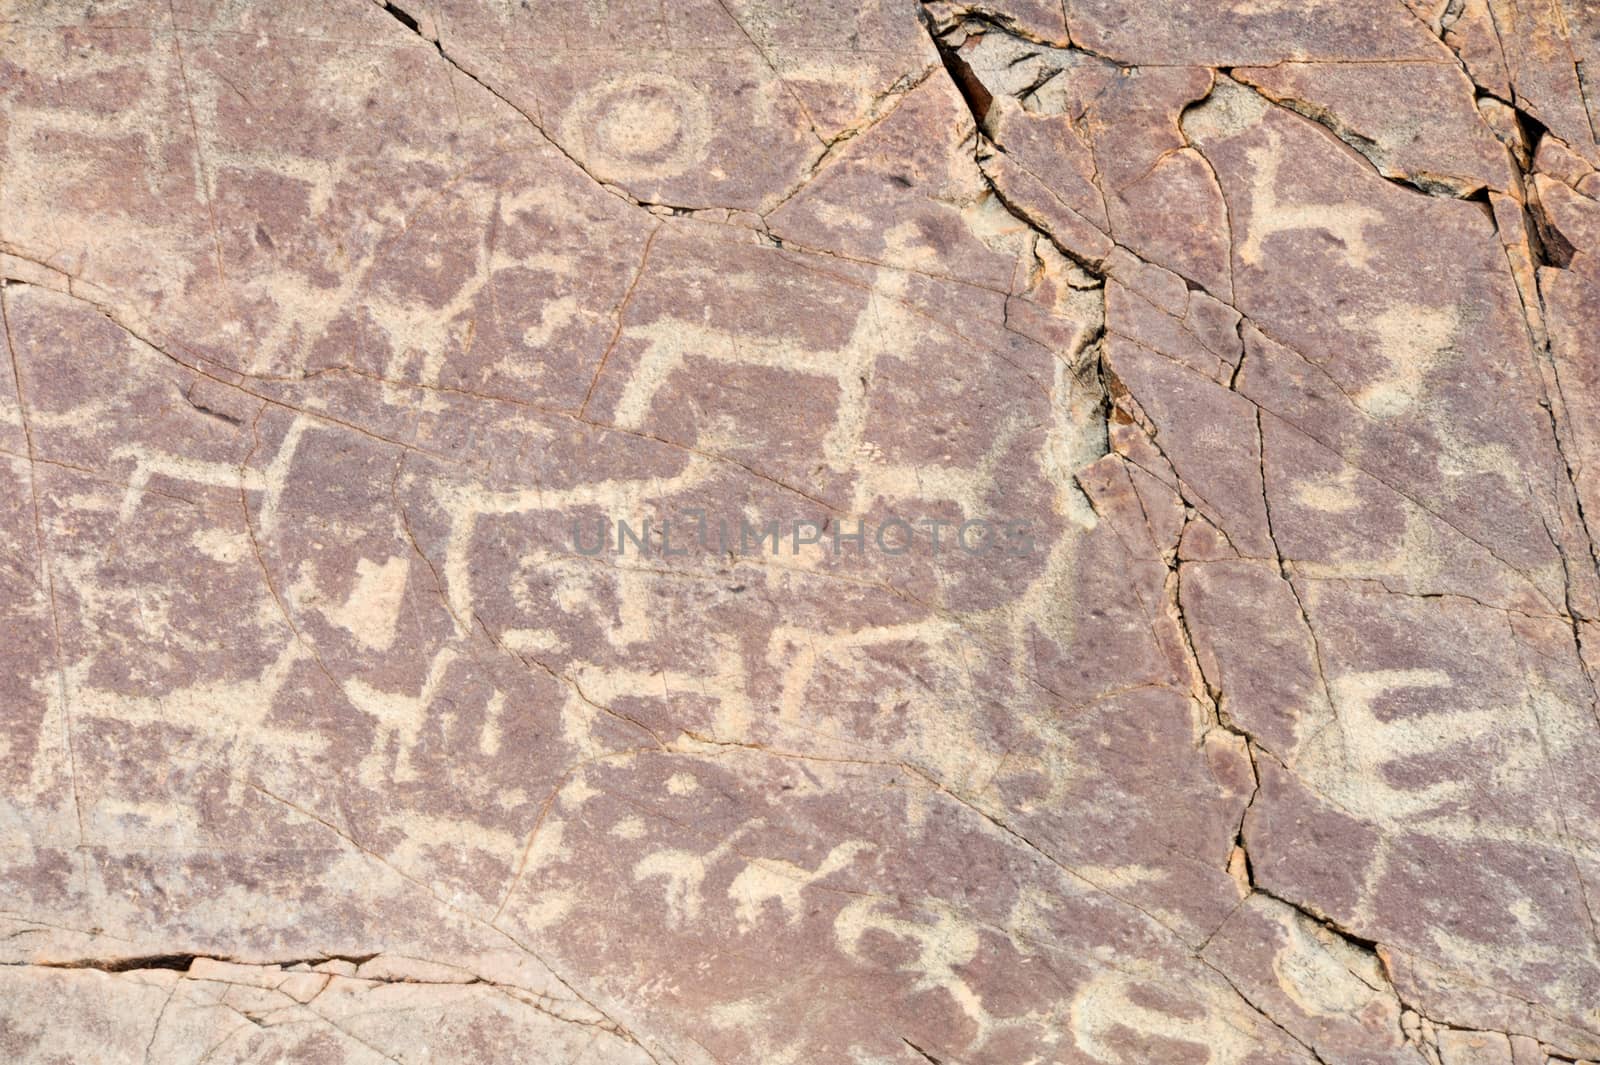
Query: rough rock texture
(326, 323)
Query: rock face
(1105, 570)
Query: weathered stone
(1544, 48)
(1151, 33)
(1367, 105)
(1328, 994)
(1240, 358)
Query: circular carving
(641, 126)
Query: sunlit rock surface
(1241, 357)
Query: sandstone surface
(1256, 342)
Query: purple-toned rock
(754, 533)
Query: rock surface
(1265, 330)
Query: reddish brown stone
(1254, 343)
